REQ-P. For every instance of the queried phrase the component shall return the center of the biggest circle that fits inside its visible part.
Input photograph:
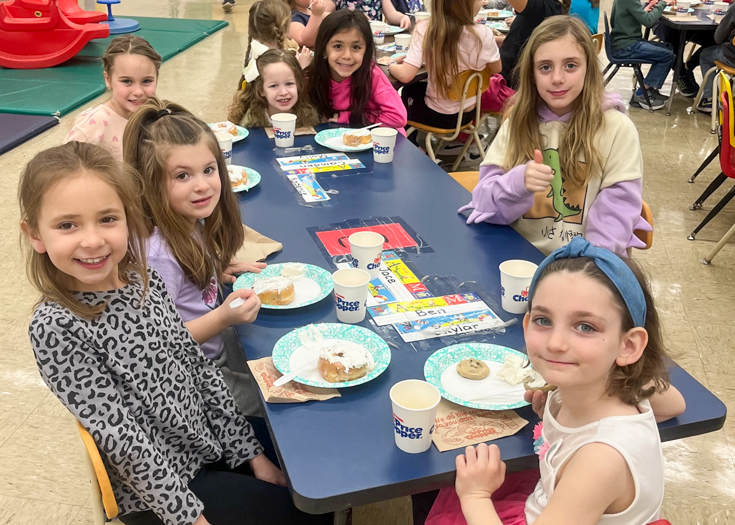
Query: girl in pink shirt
(345, 85)
(450, 42)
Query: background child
(345, 84)
(450, 43)
(626, 41)
(601, 348)
(268, 27)
(111, 346)
(305, 19)
(533, 176)
(723, 52)
(279, 88)
(131, 73)
(374, 10)
(529, 14)
(588, 11)
(195, 230)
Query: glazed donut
(274, 290)
(473, 369)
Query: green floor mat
(58, 90)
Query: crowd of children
(133, 218)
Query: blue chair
(618, 63)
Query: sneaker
(687, 85)
(451, 149)
(705, 106)
(654, 93)
(227, 5)
(639, 101)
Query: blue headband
(611, 265)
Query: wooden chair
(104, 506)
(599, 39)
(469, 179)
(475, 83)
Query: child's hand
(243, 314)
(201, 520)
(335, 118)
(405, 22)
(237, 267)
(479, 472)
(398, 60)
(509, 20)
(537, 400)
(304, 56)
(264, 470)
(318, 7)
(538, 175)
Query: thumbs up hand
(538, 175)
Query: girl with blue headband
(592, 331)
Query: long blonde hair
(152, 130)
(250, 107)
(441, 41)
(587, 116)
(268, 22)
(40, 176)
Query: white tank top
(635, 437)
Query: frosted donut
(343, 361)
(274, 290)
(357, 138)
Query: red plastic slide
(41, 38)
(70, 8)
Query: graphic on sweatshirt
(564, 202)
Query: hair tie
(162, 113)
(250, 72)
(611, 265)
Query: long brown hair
(129, 45)
(250, 107)
(441, 41)
(587, 119)
(152, 130)
(627, 382)
(268, 22)
(40, 176)
(361, 85)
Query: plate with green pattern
(490, 393)
(332, 139)
(314, 286)
(242, 133)
(300, 348)
(394, 30)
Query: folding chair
(104, 506)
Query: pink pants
(509, 501)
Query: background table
(340, 453)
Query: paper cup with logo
(481, 16)
(284, 127)
(366, 249)
(350, 294)
(402, 42)
(421, 15)
(682, 7)
(515, 278)
(720, 8)
(378, 29)
(384, 144)
(414, 413)
(224, 140)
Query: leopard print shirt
(156, 407)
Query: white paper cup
(721, 8)
(384, 144)
(515, 278)
(708, 5)
(224, 140)
(481, 16)
(414, 413)
(378, 29)
(284, 127)
(350, 294)
(402, 42)
(682, 7)
(421, 15)
(366, 249)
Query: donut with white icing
(342, 361)
(274, 290)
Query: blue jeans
(706, 61)
(659, 54)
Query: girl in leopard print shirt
(112, 347)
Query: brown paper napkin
(457, 426)
(687, 18)
(306, 130)
(256, 246)
(265, 374)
